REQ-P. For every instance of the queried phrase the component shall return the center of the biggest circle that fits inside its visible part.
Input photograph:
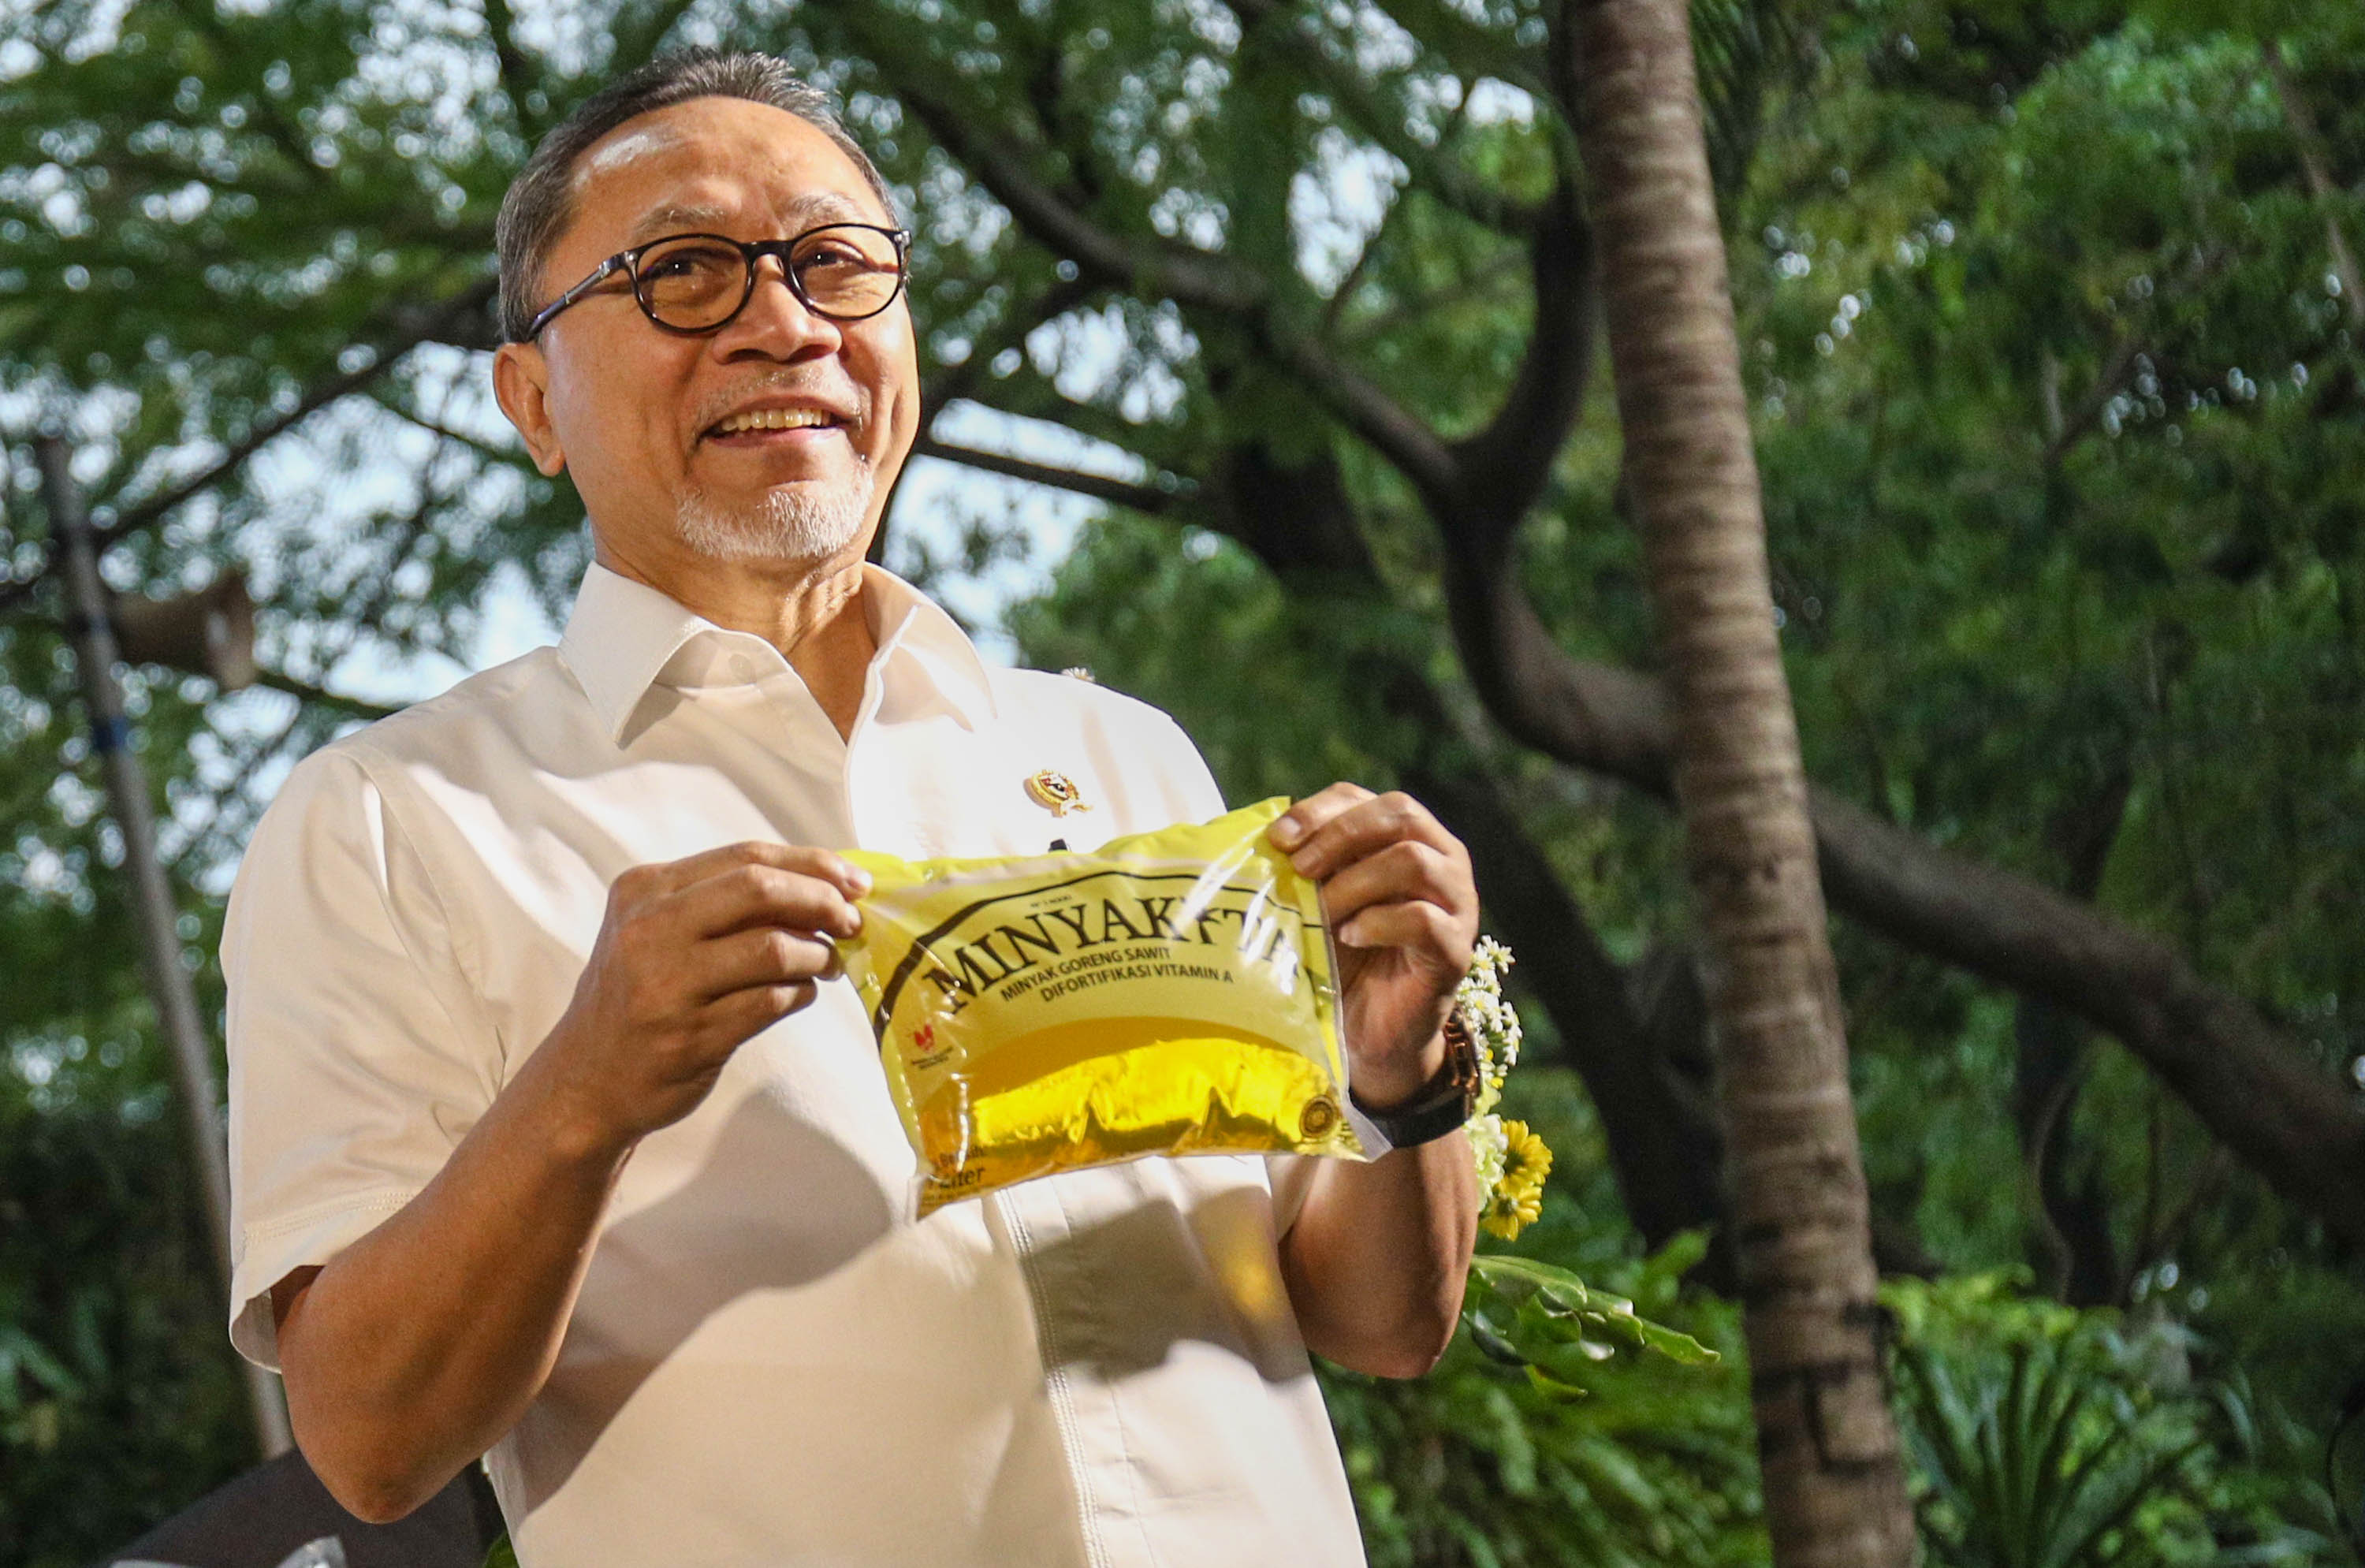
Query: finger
(1417, 927)
(742, 1015)
(1298, 823)
(749, 896)
(1403, 871)
(1367, 827)
(764, 955)
(672, 875)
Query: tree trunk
(1833, 1478)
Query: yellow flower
(1525, 1158)
(1517, 1199)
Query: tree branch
(1435, 168)
(1189, 277)
(1506, 463)
(518, 74)
(1593, 716)
(939, 391)
(954, 382)
(2125, 349)
(1299, 520)
(1357, 402)
(315, 397)
(2248, 1080)
(1026, 393)
(2098, 396)
(370, 608)
(1649, 1131)
(278, 680)
(637, 38)
(437, 428)
(304, 690)
(1163, 267)
(2070, 1224)
(415, 329)
(388, 348)
(1146, 498)
(1471, 48)
(2311, 163)
(1045, 87)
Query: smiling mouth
(756, 421)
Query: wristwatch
(1442, 1104)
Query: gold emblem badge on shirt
(1056, 792)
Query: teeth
(771, 419)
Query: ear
(522, 385)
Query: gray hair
(540, 203)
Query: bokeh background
(2049, 318)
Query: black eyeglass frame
(752, 251)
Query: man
(559, 1138)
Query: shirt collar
(914, 627)
(622, 633)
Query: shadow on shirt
(734, 1228)
(1194, 1259)
(1190, 1257)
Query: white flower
(1493, 1025)
(1488, 1147)
(1493, 1022)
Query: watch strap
(1443, 1103)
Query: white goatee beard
(795, 522)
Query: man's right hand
(417, 1346)
(694, 957)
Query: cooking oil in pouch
(1171, 992)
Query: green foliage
(2049, 1438)
(2031, 1477)
(1146, 618)
(2058, 413)
(1990, 618)
(1543, 1319)
(1491, 1460)
(116, 1402)
(1472, 1465)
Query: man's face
(634, 412)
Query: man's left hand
(1403, 911)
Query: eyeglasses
(691, 283)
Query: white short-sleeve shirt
(770, 1363)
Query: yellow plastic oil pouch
(1171, 992)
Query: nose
(775, 323)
